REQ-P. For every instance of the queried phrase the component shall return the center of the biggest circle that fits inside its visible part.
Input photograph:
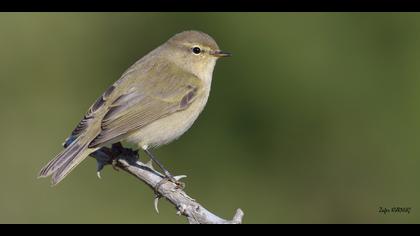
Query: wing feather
(148, 100)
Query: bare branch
(185, 205)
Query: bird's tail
(66, 161)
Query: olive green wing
(161, 93)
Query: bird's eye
(196, 50)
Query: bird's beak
(219, 53)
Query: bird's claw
(156, 202)
(179, 184)
(100, 164)
(115, 165)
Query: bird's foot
(170, 178)
(115, 164)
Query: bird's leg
(168, 175)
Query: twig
(185, 205)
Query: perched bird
(153, 103)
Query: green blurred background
(315, 119)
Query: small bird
(154, 102)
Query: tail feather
(70, 164)
(60, 159)
(66, 161)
